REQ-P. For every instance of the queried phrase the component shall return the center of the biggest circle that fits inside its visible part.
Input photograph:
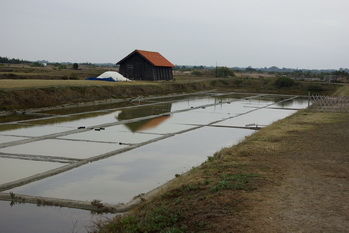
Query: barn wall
(137, 68)
(162, 73)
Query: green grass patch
(158, 219)
(234, 182)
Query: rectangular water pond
(261, 117)
(62, 148)
(298, 103)
(117, 134)
(4, 139)
(236, 106)
(195, 117)
(35, 131)
(24, 218)
(192, 102)
(87, 120)
(121, 177)
(14, 169)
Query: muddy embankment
(14, 99)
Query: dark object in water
(97, 129)
(81, 127)
(102, 128)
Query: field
(22, 71)
(35, 83)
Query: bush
(36, 64)
(315, 88)
(61, 67)
(238, 82)
(224, 72)
(284, 82)
(75, 66)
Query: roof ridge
(155, 58)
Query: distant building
(146, 65)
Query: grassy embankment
(50, 72)
(21, 94)
(342, 91)
(274, 181)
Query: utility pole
(216, 70)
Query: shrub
(61, 67)
(224, 72)
(315, 88)
(238, 82)
(284, 82)
(36, 64)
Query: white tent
(112, 76)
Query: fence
(329, 103)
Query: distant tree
(284, 82)
(224, 72)
(61, 67)
(250, 69)
(75, 66)
(341, 73)
(36, 64)
(12, 61)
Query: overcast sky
(258, 33)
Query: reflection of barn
(146, 65)
(131, 113)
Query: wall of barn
(138, 68)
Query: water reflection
(294, 103)
(132, 113)
(31, 218)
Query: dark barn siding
(136, 67)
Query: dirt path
(313, 195)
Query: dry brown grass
(343, 90)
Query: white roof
(114, 75)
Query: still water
(118, 178)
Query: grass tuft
(234, 182)
(158, 219)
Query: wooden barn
(146, 65)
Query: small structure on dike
(146, 65)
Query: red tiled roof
(155, 58)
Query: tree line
(13, 61)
